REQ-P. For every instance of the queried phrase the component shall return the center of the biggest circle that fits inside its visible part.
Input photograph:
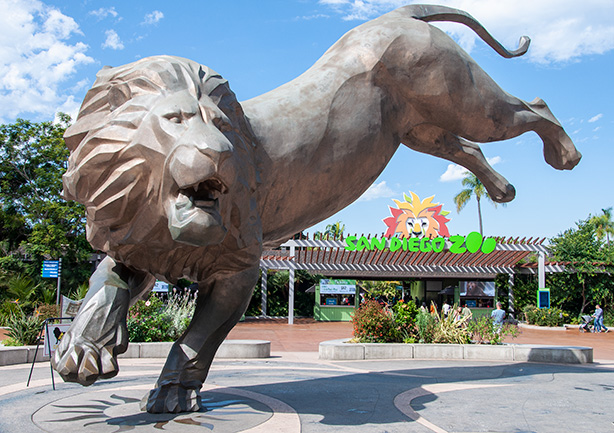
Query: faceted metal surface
(180, 180)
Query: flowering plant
(373, 324)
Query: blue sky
(51, 50)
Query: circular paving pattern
(277, 396)
(118, 410)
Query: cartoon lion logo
(416, 218)
(162, 159)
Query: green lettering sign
(471, 243)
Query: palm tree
(604, 226)
(473, 187)
(334, 231)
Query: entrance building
(462, 278)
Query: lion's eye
(174, 118)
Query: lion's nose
(189, 166)
(201, 153)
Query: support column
(291, 289)
(291, 298)
(541, 270)
(263, 290)
(510, 293)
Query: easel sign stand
(57, 331)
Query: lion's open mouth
(194, 217)
(203, 195)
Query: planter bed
(343, 350)
(234, 349)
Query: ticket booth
(336, 300)
(479, 296)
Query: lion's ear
(118, 95)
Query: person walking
(497, 316)
(598, 315)
(466, 312)
(446, 309)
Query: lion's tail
(429, 13)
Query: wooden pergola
(329, 257)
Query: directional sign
(51, 269)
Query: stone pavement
(293, 391)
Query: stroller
(587, 324)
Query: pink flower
(147, 304)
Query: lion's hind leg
(438, 142)
(89, 349)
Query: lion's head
(162, 159)
(416, 218)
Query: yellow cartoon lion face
(416, 218)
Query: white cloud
(595, 118)
(453, 172)
(113, 41)
(377, 190)
(35, 58)
(102, 13)
(457, 172)
(153, 17)
(494, 160)
(311, 17)
(560, 30)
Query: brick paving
(306, 334)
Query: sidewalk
(295, 392)
(306, 334)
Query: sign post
(53, 269)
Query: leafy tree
(587, 260)
(474, 187)
(384, 290)
(277, 294)
(35, 220)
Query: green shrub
(24, 329)
(146, 323)
(404, 314)
(179, 310)
(23, 289)
(426, 327)
(47, 311)
(10, 342)
(8, 310)
(147, 329)
(483, 330)
(450, 331)
(154, 320)
(545, 316)
(373, 324)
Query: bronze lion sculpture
(180, 180)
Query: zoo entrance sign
(471, 243)
(421, 225)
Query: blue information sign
(51, 269)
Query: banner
(70, 308)
(337, 287)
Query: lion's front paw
(172, 398)
(79, 360)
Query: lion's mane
(119, 179)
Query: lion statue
(180, 180)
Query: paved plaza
(294, 391)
